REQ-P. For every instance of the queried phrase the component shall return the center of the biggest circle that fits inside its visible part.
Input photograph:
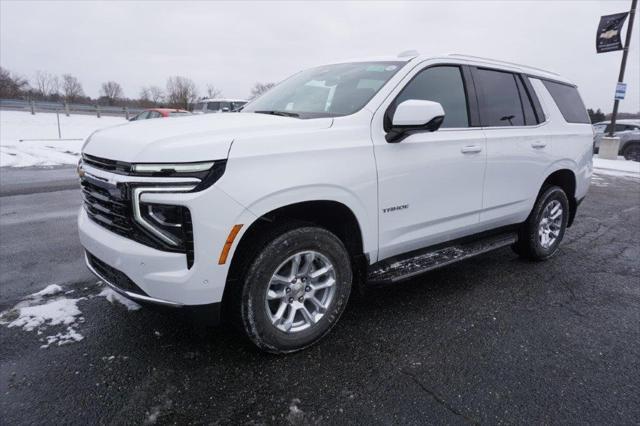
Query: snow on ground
(618, 167)
(60, 311)
(17, 125)
(49, 290)
(42, 310)
(50, 307)
(114, 297)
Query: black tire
(632, 151)
(529, 245)
(254, 318)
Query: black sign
(608, 37)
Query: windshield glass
(327, 91)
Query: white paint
(273, 161)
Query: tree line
(179, 91)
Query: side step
(405, 267)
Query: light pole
(623, 64)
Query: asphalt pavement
(490, 340)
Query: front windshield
(327, 91)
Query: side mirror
(413, 116)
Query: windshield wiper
(280, 113)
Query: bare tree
(181, 91)
(112, 91)
(156, 95)
(71, 88)
(11, 85)
(46, 84)
(213, 91)
(145, 96)
(259, 88)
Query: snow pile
(616, 167)
(42, 310)
(55, 312)
(49, 290)
(114, 297)
(46, 150)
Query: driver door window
(442, 84)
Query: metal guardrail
(67, 108)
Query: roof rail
(497, 61)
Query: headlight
(207, 171)
(167, 220)
(172, 168)
(164, 221)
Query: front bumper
(163, 277)
(209, 314)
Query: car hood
(193, 138)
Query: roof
(413, 55)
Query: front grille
(114, 276)
(108, 205)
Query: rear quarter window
(568, 101)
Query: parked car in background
(205, 106)
(629, 133)
(159, 113)
(341, 176)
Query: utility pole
(623, 64)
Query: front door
(429, 184)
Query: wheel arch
(332, 215)
(566, 179)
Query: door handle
(471, 149)
(538, 145)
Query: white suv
(341, 176)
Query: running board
(402, 268)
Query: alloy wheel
(300, 291)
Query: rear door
(518, 145)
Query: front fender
(304, 193)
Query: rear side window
(501, 103)
(569, 102)
(441, 84)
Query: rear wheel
(540, 236)
(295, 290)
(632, 151)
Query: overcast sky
(234, 45)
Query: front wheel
(295, 290)
(540, 236)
